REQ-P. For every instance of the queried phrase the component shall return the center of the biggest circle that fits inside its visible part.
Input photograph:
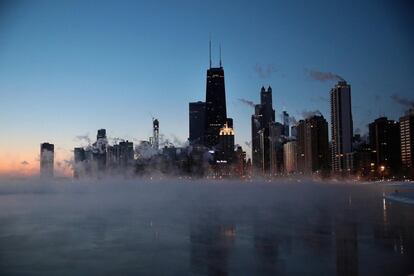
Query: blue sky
(68, 68)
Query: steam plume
(323, 76)
(247, 102)
(403, 101)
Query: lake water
(172, 227)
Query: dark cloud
(247, 102)
(264, 71)
(323, 76)
(403, 101)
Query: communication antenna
(220, 54)
(209, 51)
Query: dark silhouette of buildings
(301, 143)
(226, 144)
(285, 118)
(216, 112)
(384, 138)
(47, 155)
(317, 145)
(197, 112)
(313, 145)
(341, 128)
(407, 142)
(265, 134)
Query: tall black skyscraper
(384, 139)
(264, 134)
(197, 117)
(313, 145)
(341, 127)
(216, 113)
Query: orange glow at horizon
(27, 164)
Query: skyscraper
(47, 155)
(316, 145)
(301, 142)
(79, 158)
(290, 156)
(257, 150)
(126, 153)
(226, 146)
(216, 113)
(341, 127)
(197, 117)
(407, 142)
(285, 118)
(265, 134)
(312, 145)
(384, 139)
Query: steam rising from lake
(163, 227)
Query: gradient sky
(68, 68)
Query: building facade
(341, 127)
(384, 139)
(197, 117)
(407, 142)
(47, 157)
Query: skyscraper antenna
(220, 53)
(209, 50)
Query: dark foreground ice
(171, 227)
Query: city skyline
(56, 100)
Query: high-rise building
(267, 106)
(101, 134)
(312, 145)
(226, 144)
(316, 145)
(407, 142)
(341, 127)
(290, 156)
(126, 153)
(79, 158)
(257, 150)
(47, 156)
(384, 139)
(264, 134)
(197, 117)
(301, 142)
(285, 117)
(275, 147)
(216, 113)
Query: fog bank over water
(201, 227)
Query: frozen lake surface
(172, 227)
